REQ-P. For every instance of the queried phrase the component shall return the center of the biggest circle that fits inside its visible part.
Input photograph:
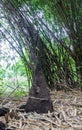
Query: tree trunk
(39, 99)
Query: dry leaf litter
(67, 114)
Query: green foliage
(16, 3)
(19, 68)
(2, 72)
(60, 57)
(20, 93)
(12, 76)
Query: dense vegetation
(48, 32)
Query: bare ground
(67, 114)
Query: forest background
(53, 35)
